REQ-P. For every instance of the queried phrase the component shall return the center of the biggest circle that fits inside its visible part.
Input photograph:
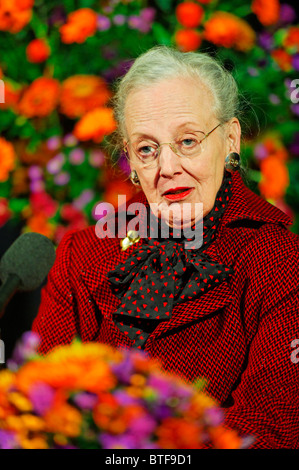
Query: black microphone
(25, 265)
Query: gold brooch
(131, 238)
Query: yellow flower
(37, 442)
(19, 401)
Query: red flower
(37, 51)
(188, 40)
(189, 14)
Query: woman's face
(163, 112)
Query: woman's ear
(234, 136)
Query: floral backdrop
(58, 62)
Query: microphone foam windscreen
(30, 257)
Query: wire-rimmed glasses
(189, 144)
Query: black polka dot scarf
(162, 273)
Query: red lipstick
(175, 194)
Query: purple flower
(137, 22)
(25, 348)
(85, 400)
(274, 99)
(7, 440)
(119, 20)
(70, 140)
(287, 14)
(62, 178)
(85, 197)
(54, 143)
(213, 416)
(41, 396)
(122, 441)
(35, 172)
(295, 61)
(77, 156)
(260, 152)
(124, 164)
(294, 147)
(253, 71)
(265, 40)
(124, 399)
(103, 23)
(58, 16)
(142, 426)
(96, 158)
(55, 164)
(37, 186)
(123, 370)
(295, 109)
(148, 14)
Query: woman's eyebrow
(179, 127)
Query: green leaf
(165, 5)
(161, 34)
(39, 27)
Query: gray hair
(163, 62)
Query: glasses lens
(190, 145)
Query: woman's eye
(146, 150)
(188, 142)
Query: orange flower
(283, 59)
(15, 14)
(225, 438)
(7, 160)
(63, 419)
(11, 96)
(39, 223)
(227, 30)
(83, 93)
(37, 51)
(177, 433)
(40, 98)
(188, 40)
(80, 25)
(267, 11)
(24, 4)
(275, 178)
(292, 38)
(95, 124)
(189, 14)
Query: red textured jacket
(239, 335)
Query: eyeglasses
(189, 144)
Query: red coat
(238, 335)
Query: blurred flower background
(58, 62)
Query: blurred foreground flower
(94, 396)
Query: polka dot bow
(162, 273)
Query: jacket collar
(244, 204)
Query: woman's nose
(169, 161)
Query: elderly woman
(225, 310)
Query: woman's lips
(176, 194)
